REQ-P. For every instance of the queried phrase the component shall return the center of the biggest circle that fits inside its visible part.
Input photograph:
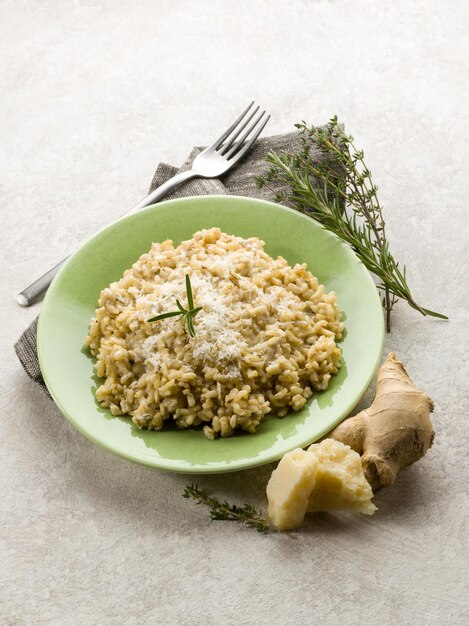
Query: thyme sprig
(246, 514)
(183, 313)
(339, 192)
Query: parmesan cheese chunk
(339, 483)
(326, 477)
(289, 488)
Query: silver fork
(214, 161)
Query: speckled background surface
(93, 95)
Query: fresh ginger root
(395, 431)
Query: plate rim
(176, 465)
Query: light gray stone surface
(93, 95)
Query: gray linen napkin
(240, 181)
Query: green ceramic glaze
(72, 298)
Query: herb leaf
(187, 314)
(190, 300)
(246, 514)
(339, 192)
(164, 316)
(190, 325)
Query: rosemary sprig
(184, 314)
(246, 514)
(339, 193)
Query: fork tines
(231, 144)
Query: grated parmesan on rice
(265, 337)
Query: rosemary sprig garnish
(185, 314)
(340, 193)
(246, 514)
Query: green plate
(72, 298)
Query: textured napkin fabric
(240, 181)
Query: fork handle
(40, 285)
(163, 189)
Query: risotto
(265, 337)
